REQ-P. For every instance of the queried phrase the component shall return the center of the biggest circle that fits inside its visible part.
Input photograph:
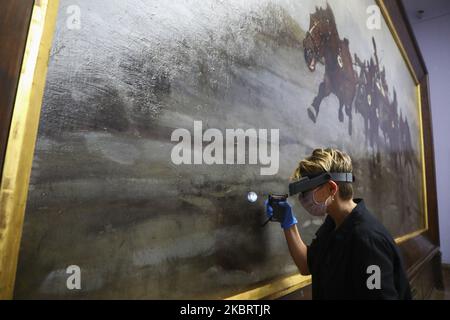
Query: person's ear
(334, 188)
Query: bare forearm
(297, 248)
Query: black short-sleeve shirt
(358, 260)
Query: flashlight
(278, 213)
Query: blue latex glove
(289, 218)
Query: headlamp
(307, 183)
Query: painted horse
(364, 103)
(323, 44)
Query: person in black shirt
(353, 256)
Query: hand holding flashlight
(278, 209)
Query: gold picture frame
(22, 138)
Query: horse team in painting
(359, 84)
(323, 44)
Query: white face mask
(313, 207)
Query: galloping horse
(363, 96)
(366, 106)
(322, 41)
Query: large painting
(161, 117)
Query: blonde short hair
(327, 160)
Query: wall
(432, 33)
